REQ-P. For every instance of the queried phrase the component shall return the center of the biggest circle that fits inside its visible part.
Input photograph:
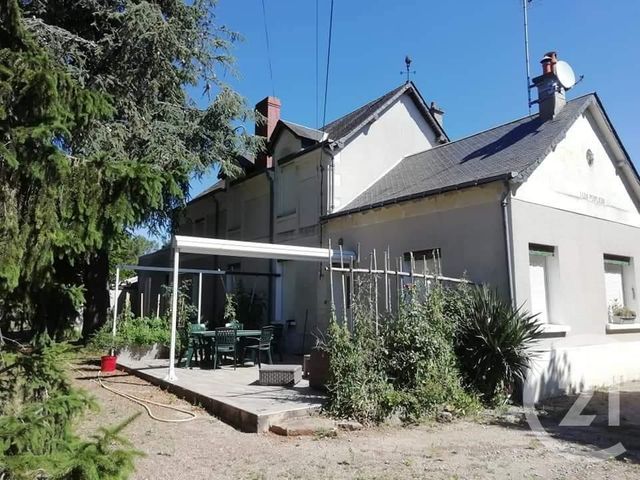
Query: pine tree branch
(36, 26)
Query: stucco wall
(587, 355)
(566, 181)
(401, 130)
(467, 226)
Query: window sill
(623, 327)
(555, 328)
(286, 215)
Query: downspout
(506, 219)
(216, 259)
(272, 263)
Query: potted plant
(621, 314)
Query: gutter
(508, 241)
(428, 193)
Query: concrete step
(312, 425)
(305, 426)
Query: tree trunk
(96, 283)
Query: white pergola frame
(233, 248)
(144, 268)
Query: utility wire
(326, 80)
(266, 36)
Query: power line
(326, 79)
(266, 35)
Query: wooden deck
(232, 395)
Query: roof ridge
(362, 107)
(300, 125)
(471, 135)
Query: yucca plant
(493, 344)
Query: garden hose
(145, 403)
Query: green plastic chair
(263, 345)
(225, 343)
(194, 346)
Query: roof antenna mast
(525, 8)
(408, 72)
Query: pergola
(233, 248)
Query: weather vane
(408, 72)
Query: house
(545, 208)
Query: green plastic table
(210, 335)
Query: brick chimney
(551, 94)
(269, 108)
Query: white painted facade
(566, 181)
(401, 130)
(569, 212)
(582, 206)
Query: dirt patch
(209, 449)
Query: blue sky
(468, 56)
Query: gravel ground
(209, 449)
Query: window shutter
(613, 283)
(538, 286)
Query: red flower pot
(108, 363)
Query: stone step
(305, 426)
(312, 425)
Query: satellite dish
(565, 74)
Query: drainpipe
(506, 219)
(216, 259)
(272, 263)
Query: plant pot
(318, 369)
(108, 363)
(622, 320)
(144, 352)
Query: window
(287, 186)
(198, 227)
(619, 285)
(540, 257)
(431, 257)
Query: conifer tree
(137, 162)
(43, 186)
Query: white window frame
(624, 265)
(539, 255)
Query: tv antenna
(525, 13)
(408, 72)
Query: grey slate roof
(344, 125)
(304, 132)
(513, 148)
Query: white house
(545, 208)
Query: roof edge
(422, 106)
(427, 193)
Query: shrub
(410, 368)
(357, 385)
(421, 362)
(493, 344)
(131, 331)
(36, 434)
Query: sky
(468, 57)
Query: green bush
(36, 434)
(131, 331)
(358, 386)
(493, 344)
(409, 368)
(421, 362)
